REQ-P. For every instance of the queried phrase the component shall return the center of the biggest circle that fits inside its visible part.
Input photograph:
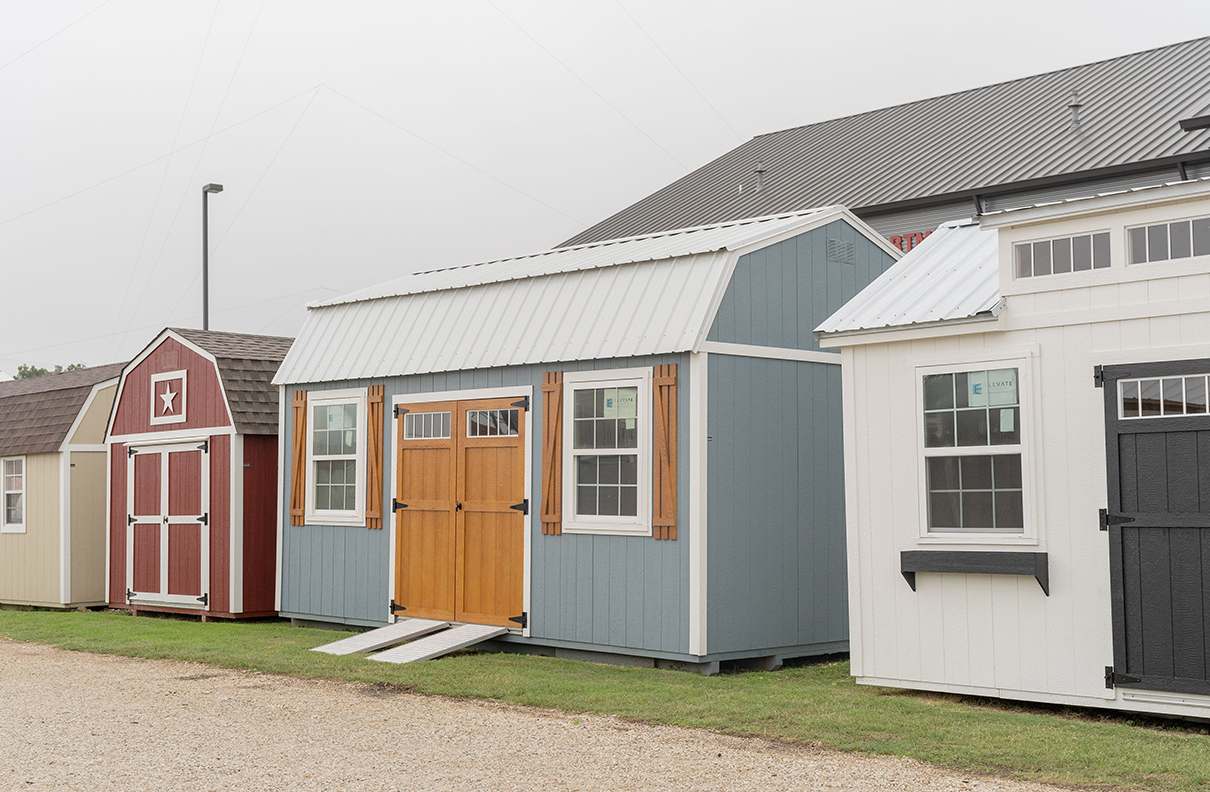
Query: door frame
(163, 598)
(391, 451)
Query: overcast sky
(359, 141)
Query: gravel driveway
(93, 722)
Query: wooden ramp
(400, 631)
(439, 643)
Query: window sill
(607, 530)
(991, 540)
(314, 520)
(12, 529)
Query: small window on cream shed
(336, 457)
(12, 482)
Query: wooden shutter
(552, 452)
(374, 459)
(298, 479)
(663, 468)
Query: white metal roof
(644, 295)
(952, 275)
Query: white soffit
(623, 298)
(954, 274)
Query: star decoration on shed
(167, 396)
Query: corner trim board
(975, 563)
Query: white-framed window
(12, 483)
(1078, 253)
(1162, 397)
(607, 452)
(336, 457)
(1179, 239)
(974, 439)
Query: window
(12, 471)
(336, 457)
(1169, 241)
(607, 463)
(1058, 256)
(972, 437)
(1162, 397)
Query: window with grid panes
(1179, 239)
(972, 452)
(336, 458)
(12, 482)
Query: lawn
(813, 703)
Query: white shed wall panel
(619, 311)
(1001, 634)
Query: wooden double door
(460, 511)
(168, 537)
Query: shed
(192, 469)
(52, 473)
(1025, 427)
(625, 450)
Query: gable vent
(842, 251)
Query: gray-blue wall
(775, 480)
(606, 592)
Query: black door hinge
(129, 596)
(1098, 376)
(130, 452)
(1113, 679)
(130, 519)
(204, 519)
(523, 619)
(399, 410)
(523, 404)
(522, 507)
(396, 608)
(204, 447)
(1108, 519)
(205, 599)
(396, 505)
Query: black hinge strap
(129, 596)
(1108, 519)
(396, 505)
(399, 410)
(1098, 376)
(130, 452)
(205, 599)
(130, 519)
(1113, 679)
(523, 404)
(522, 507)
(523, 619)
(396, 608)
(204, 447)
(204, 519)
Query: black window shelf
(975, 563)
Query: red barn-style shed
(192, 476)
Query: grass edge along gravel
(813, 703)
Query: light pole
(209, 188)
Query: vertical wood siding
(29, 562)
(220, 523)
(92, 426)
(88, 526)
(610, 591)
(205, 406)
(260, 527)
(117, 524)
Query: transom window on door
(1158, 397)
(1169, 241)
(608, 422)
(973, 452)
(12, 481)
(336, 458)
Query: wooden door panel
(146, 566)
(185, 559)
(491, 554)
(184, 483)
(146, 485)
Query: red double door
(168, 536)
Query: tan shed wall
(91, 430)
(29, 562)
(88, 526)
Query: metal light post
(209, 188)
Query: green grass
(815, 703)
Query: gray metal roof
(625, 298)
(952, 275)
(983, 140)
(37, 413)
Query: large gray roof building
(1135, 120)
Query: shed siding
(205, 406)
(220, 523)
(612, 592)
(779, 294)
(91, 430)
(88, 522)
(29, 562)
(260, 529)
(775, 487)
(117, 524)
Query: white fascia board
(1076, 207)
(882, 335)
(92, 395)
(64, 527)
(698, 461)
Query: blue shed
(625, 451)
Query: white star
(167, 396)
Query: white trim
(75, 425)
(64, 527)
(175, 417)
(1132, 198)
(5, 526)
(698, 469)
(772, 353)
(345, 517)
(101, 448)
(174, 436)
(466, 395)
(235, 536)
(640, 524)
(281, 491)
(108, 515)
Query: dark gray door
(1158, 458)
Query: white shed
(1025, 417)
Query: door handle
(458, 506)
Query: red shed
(192, 476)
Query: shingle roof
(246, 365)
(36, 414)
(977, 141)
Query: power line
(586, 85)
(672, 63)
(48, 38)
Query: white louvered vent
(842, 251)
